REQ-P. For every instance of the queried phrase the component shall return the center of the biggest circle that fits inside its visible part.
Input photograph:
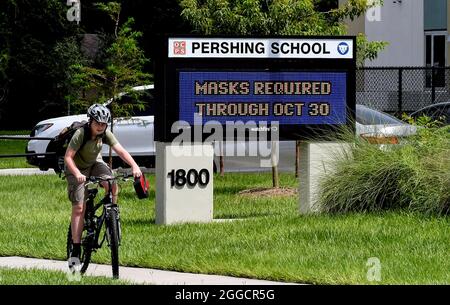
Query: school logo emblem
(343, 48)
(179, 47)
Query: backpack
(141, 186)
(59, 144)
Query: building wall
(401, 25)
(448, 37)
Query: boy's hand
(136, 172)
(80, 178)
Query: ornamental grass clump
(413, 175)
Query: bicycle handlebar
(96, 179)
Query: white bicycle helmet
(99, 113)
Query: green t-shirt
(91, 151)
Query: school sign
(306, 85)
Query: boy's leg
(77, 221)
(77, 194)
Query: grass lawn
(273, 241)
(46, 277)
(9, 147)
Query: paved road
(136, 275)
(25, 172)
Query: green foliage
(245, 17)
(121, 69)
(111, 8)
(4, 59)
(423, 121)
(367, 50)
(66, 54)
(278, 17)
(414, 175)
(29, 31)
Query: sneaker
(74, 264)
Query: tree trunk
(222, 171)
(221, 165)
(274, 156)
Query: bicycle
(93, 224)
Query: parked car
(438, 112)
(369, 123)
(136, 135)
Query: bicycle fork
(108, 208)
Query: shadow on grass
(131, 195)
(250, 215)
(227, 190)
(139, 221)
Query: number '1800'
(192, 177)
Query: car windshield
(367, 116)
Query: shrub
(413, 175)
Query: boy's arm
(68, 158)
(125, 156)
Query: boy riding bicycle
(83, 159)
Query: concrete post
(316, 159)
(182, 194)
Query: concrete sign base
(316, 159)
(184, 183)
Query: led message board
(304, 85)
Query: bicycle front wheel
(112, 222)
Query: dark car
(438, 112)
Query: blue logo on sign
(343, 48)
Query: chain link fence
(402, 89)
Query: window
(435, 56)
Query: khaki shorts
(77, 192)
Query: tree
(278, 17)
(28, 33)
(67, 53)
(121, 69)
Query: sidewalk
(25, 172)
(136, 275)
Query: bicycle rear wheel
(86, 250)
(112, 222)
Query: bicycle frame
(95, 223)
